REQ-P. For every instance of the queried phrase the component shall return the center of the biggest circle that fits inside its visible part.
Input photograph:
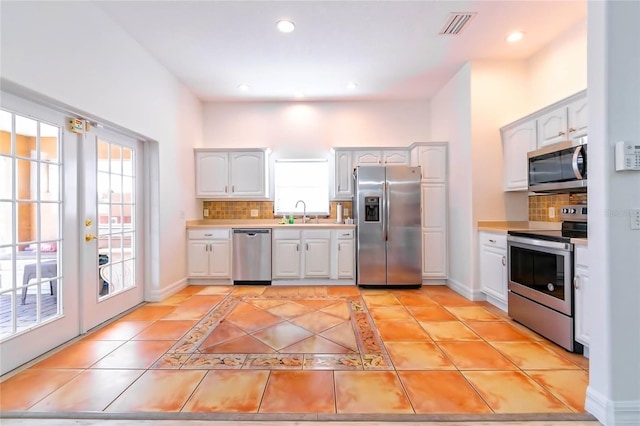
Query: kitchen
(475, 189)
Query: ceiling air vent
(456, 22)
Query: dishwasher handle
(251, 232)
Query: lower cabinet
(344, 256)
(493, 267)
(301, 253)
(209, 253)
(581, 293)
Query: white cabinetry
(229, 174)
(301, 253)
(581, 294)
(517, 141)
(344, 254)
(343, 174)
(209, 253)
(566, 121)
(493, 267)
(432, 158)
(386, 157)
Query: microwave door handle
(574, 162)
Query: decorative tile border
(185, 353)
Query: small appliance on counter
(386, 212)
(541, 294)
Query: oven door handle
(534, 242)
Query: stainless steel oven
(541, 278)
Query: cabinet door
(247, 174)
(316, 254)
(396, 157)
(577, 113)
(434, 253)
(346, 259)
(493, 272)
(367, 158)
(344, 174)
(516, 143)
(198, 258)
(434, 206)
(220, 259)
(433, 161)
(581, 294)
(552, 127)
(212, 172)
(286, 259)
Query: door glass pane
(116, 202)
(30, 223)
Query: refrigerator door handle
(385, 210)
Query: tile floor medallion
(245, 331)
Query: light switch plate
(206, 213)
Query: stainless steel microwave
(561, 167)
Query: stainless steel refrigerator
(387, 214)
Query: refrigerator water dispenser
(372, 209)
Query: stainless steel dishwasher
(251, 256)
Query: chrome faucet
(304, 211)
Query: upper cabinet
(230, 174)
(565, 122)
(346, 159)
(517, 141)
(562, 121)
(432, 159)
(386, 157)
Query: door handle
(89, 237)
(504, 261)
(297, 247)
(576, 282)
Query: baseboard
(610, 412)
(158, 295)
(465, 291)
(497, 302)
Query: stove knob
(564, 211)
(572, 211)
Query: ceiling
(391, 49)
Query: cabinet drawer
(209, 234)
(347, 234)
(581, 255)
(493, 240)
(286, 234)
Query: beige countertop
(504, 226)
(265, 223)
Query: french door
(70, 234)
(112, 250)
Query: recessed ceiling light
(285, 26)
(352, 86)
(515, 36)
(243, 87)
(298, 95)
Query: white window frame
(314, 192)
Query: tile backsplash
(242, 209)
(539, 205)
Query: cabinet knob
(492, 241)
(576, 282)
(504, 261)
(225, 189)
(560, 133)
(307, 246)
(297, 247)
(571, 129)
(233, 188)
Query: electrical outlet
(254, 212)
(206, 213)
(552, 212)
(346, 212)
(635, 218)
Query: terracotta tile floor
(292, 350)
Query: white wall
(559, 69)
(613, 395)
(498, 97)
(315, 125)
(451, 121)
(73, 53)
